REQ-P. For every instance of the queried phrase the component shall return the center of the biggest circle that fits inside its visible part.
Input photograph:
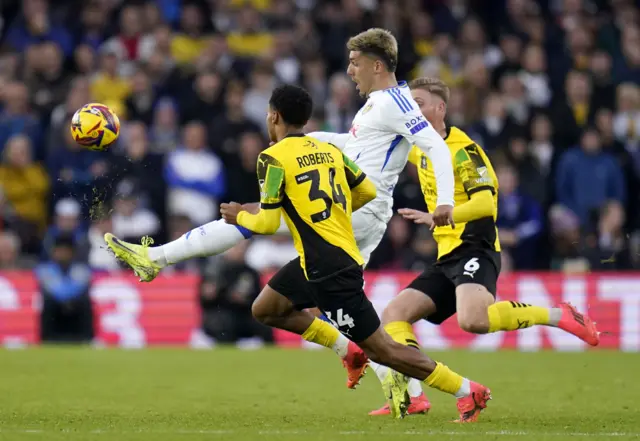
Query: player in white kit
(379, 142)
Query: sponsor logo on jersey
(484, 177)
(415, 124)
(354, 128)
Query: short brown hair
(432, 85)
(377, 42)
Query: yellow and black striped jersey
(311, 181)
(473, 172)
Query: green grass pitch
(82, 394)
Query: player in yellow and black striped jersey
(316, 188)
(313, 183)
(465, 275)
(475, 180)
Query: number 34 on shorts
(342, 321)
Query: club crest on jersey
(423, 162)
(366, 108)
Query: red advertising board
(136, 314)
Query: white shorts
(368, 231)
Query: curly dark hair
(293, 103)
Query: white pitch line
(340, 433)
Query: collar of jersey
(295, 135)
(401, 84)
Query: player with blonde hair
(465, 276)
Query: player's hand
(417, 216)
(443, 215)
(230, 212)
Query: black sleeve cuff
(359, 180)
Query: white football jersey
(380, 139)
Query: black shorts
(340, 297)
(463, 265)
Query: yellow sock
(444, 379)
(402, 332)
(322, 333)
(509, 316)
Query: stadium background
(550, 89)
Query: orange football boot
(578, 324)
(471, 405)
(419, 405)
(355, 362)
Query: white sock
(555, 314)
(208, 240)
(341, 346)
(380, 370)
(465, 389)
(414, 388)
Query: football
(95, 126)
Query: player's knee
(397, 311)
(262, 312)
(258, 312)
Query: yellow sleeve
(353, 173)
(479, 205)
(265, 222)
(362, 194)
(473, 171)
(414, 156)
(271, 180)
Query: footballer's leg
(281, 305)
(342, 299)
(432, 296)
(408, 306)
(207, 240)
(476, 279)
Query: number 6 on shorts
(471, 267)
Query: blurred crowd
(550, 89)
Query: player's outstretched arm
(401, 115)
(480, 205)
(431, 143)
(253, 217)
(337, 139)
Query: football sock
(324, 334)
(414, 388)
(444, 379)
(380, 370)
(465, 389)
(402, 332)
(210, 239)
(509, 316)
